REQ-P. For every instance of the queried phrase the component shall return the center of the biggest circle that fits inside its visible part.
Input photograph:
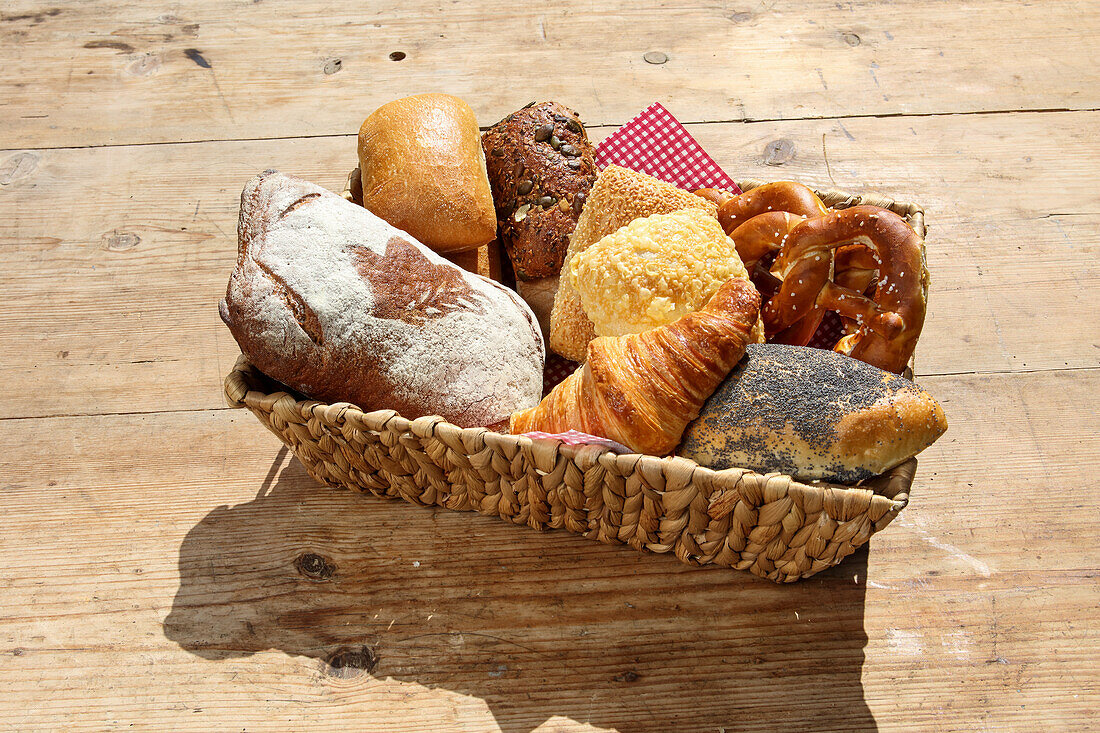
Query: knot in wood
(348, 663)
(18, 166)
(778, 152)
(314, 566)
(145, 65)
(116, 241)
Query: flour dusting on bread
(336, 303)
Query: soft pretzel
(718, 196)
(854, 268)
(888, 323)
(786, 196)
(758, 223)
(763, 235)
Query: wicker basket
(770, 525)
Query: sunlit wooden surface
(166, 566)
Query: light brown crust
(892, 430)
(423, 171)
(618, 197)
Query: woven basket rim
(242, 389)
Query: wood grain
(469, 622)
(126, 72)
(168, 567)
(119, 285)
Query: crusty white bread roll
(423, 170)
(335, 303)
(813, 414)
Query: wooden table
(165, 566)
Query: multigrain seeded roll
(541, 167)
(813, 414)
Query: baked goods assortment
(642, 389)
(664, 297)
(618, 197)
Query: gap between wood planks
(919, 378)
(592, 126)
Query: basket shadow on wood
(536, 625)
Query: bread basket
(771, 525)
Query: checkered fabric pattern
(655, 143)
(557, 368)
(574, 437)
(828, 333)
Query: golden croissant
(643, 389)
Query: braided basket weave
(770, 525)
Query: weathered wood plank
(188, 573)
(117, 286)
(124, 72)
(152, 575)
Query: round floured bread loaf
(332, 301)
(813, 414)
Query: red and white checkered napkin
(556, 369)
(828, 333)
(655, 143)
(575, 437)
